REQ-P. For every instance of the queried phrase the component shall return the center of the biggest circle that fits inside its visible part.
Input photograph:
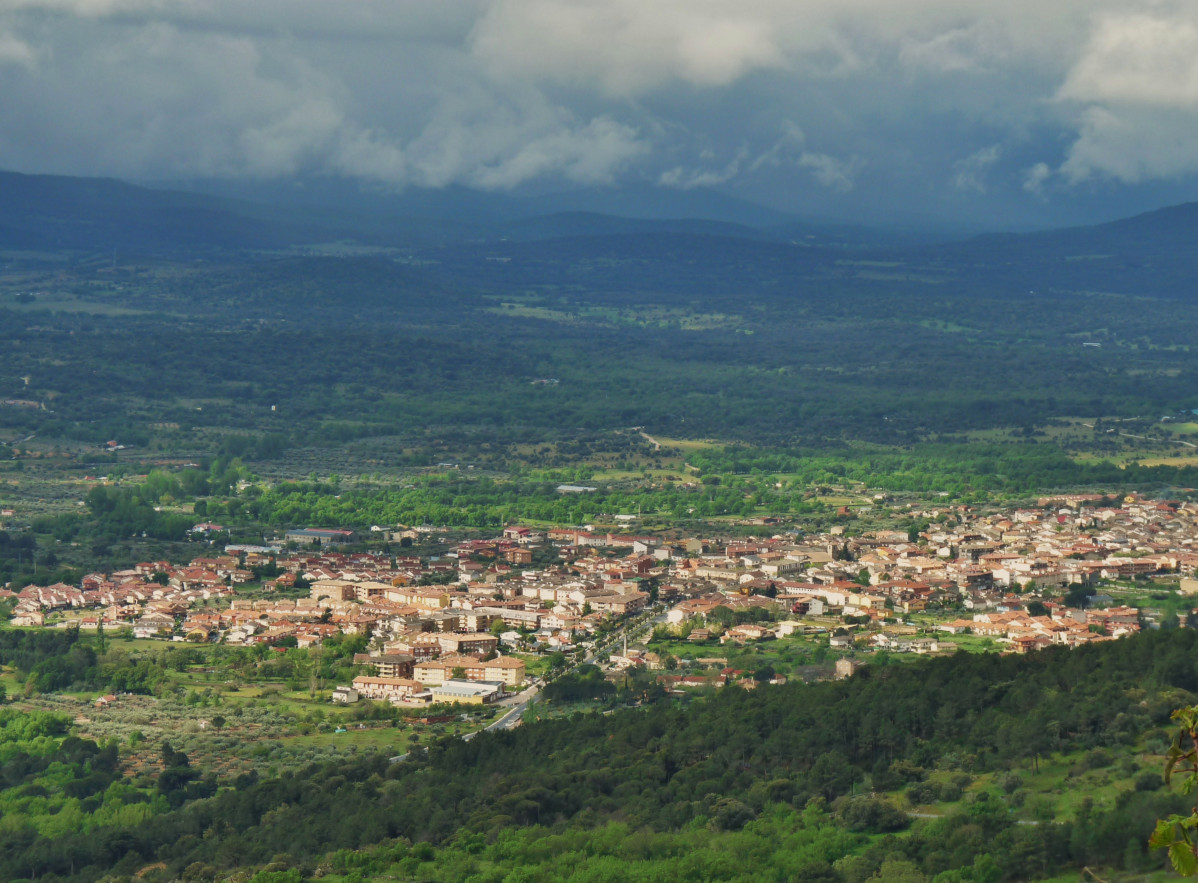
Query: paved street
(515, 705)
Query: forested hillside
(795, 776)
(300, 326)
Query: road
(939, 815)
(1146, 438)
(646, 621)
(519, 702)
(513, 716)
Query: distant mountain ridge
(59, 212)
(573, 224)
(1152, 253)
(489, 208)
(55, 212)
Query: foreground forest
(806, 782)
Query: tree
(1078, 596)
(764, 674)
(1177, 833)
(896, 870)
(173, 758)
(725, 616)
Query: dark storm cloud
(846, 101)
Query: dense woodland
(149, 316)
(784, 774)
(331, 349)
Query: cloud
(788, 151)
(1035, 178)
(959, 49)
(688, 93)
(625, 47)
(629, 47)
(970, 173)
(1133, 144)
(504, 153)
(682, 178)
(15, 51)
(370, 156)
(1137, 82)
(1138, 60)
(86, 8)
(836, 174)
(830, 171)
(179, 101)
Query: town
(462, 626)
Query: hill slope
(718, 765)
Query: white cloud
(1035, 179)
(1132, 145)
(960, 49)
(15, 51)
(683, 178)
(368, 155)
(791, 149)
(833, 173)
(1138, 60)
(788, 151)
(177, 100)
(625, 47)
(1137, 82)
(500, 142)
(588, 154)
(970, 173)
(88, 8)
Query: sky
(1013, 113)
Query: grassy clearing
(687, 445)
(526, 312)
(68, 304)
(947, 327)
(1174, 460)
(840, 500)
(649, 316)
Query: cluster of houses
(151, 597)
(451, 616)
(988, 565)
(476, 677)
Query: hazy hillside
(722, 245)
(1149, 254)
(51, 212)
